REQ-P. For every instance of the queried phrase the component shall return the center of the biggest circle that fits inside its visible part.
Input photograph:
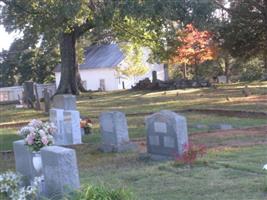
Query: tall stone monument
(67, 120)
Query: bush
(252, 70)
(100, 193)
(191, 153)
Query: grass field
(231, 169)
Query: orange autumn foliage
(196, 47)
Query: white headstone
(57, 117)
(72, 127)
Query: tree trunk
(265, 59)
(227, 67)
(68, 83)
(184, 71)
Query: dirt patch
(223, 138)
(230, 113)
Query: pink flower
(30, 139)
(44, 140)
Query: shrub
(191, 153)
(100, 193)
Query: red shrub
(191, 153)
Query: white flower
(265, 167)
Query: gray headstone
(23, 161)
(222, 79)
(65, 102)
(47, 101)
(60, 170)
(166, 134)
(57, 117)
(114, 132)
(28, 93)
(72, 129)
(222, 126)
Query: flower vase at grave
(37, 162)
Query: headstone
(47, 102)
(57, 117)
(60, 170)
(222, 79)
(72, 129)
(166, 135)
(38, 104)
(65, 102)
(154, 76)
(28, 93)
(114, 132)
(222, 126)
(23, 161)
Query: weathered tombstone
(154, 76)
(38, 104)
(166, 135)
(47, 102)
(222, 79)
(23, 161)
(57, 117)
(72, 129)
(60, 170)
(114, 132)
(28, 93)
(222, 126)
(64, 101)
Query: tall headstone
(67, 118)
(47, 101)
(37, 103)
(65, 102)
(114, 132)
(72, 129)
(23, 161)
(60, 170)
(166, 135)
(57, 117)
(28, 94)
(154, 76)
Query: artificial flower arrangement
(87, 125)
(38, 134)
(10, 186)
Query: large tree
(244, 33)
(145, 22)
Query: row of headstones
(59, 168)
(166, 134)
(166, 138)
(166, 130)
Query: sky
(6, 39)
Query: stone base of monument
(155, 157)
(126, 147)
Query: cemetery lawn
(231, 169)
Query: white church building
(98, 72)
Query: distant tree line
(226, 37)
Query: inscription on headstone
(160, 127)
(72, 128)
(57, 117)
